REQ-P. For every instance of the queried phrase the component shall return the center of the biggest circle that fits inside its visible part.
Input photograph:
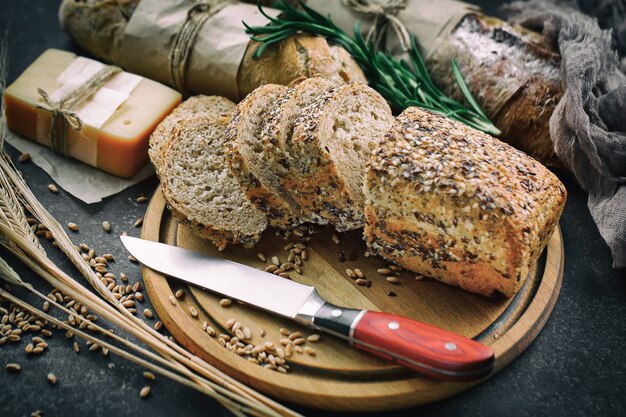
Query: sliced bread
(200, 189)
(331, 145)
(210, 106)
(244, 154)
(455, 204)
(277, 133)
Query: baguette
(455, 204)
(331, 144)
(209, 106)
(200, 189)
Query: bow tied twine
(61, 110)
(384, 13)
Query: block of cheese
(117, 119)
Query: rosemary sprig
(403, 84)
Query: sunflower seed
(350, 273)
(148, 313)
(180, 294)
(384, 271)
(193, 312)
(358, 273)
(392, 280)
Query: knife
(427, 349)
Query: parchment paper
(217, 52)
(430, 21)
(80, 180)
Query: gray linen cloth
(588, 127)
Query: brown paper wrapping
(430, 21)
(217, 51)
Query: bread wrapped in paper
(199, 47)
(513, 73)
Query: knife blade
(432, 351)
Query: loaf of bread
(98, 26)
(455, 204)
(205, 106)
(199, 188)
(300, 56)
(512, 72)
(330, 145)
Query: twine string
(186, 36)
(63, 116)
(384, 12)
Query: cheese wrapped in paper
(116, 120)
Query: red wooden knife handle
(419, 346)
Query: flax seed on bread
(210, 106)
(453, 203)
(201, 191)
(277, 133)
(331, 145)
(244, 154)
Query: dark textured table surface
(575, 367)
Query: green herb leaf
(402, 83)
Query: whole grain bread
(201, 191)
(276, 138)
(205, 106)
(299, 56)
(331, 145)
(244, 154)
(458, 205)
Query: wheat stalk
(16, 235)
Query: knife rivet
(394, 325)
(450, 346)
(336, 313)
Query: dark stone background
(575, 367)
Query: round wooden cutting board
(338, 377)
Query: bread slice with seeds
(201, 191)
(455, 204)
(244, 155)
(276, 138)
(331, 145)
(210, 106)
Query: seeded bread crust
(322, 187)
(205, 106)
(276, 137)
(455, 204)
(227, 217)
(299, 56)
(244, 154)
